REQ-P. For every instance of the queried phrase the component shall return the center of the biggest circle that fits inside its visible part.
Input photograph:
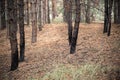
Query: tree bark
(21, 29)
(54, 12)
(27, 12)
(48, 6)
(109, 16)
(12, 20)
(40, 15)
(34, 21)
(105, 16)
(69, 19)
(88, 12)
(76, 27)
(2, 15)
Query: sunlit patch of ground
(97, 56)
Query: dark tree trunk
(108, 12)
(12, 20)
(69, 19)
(109, 16)
(105, 16)
(28, 12)
(115, 11)
(76, 27)
(48, 6)
(21, 29)
(118, 11)
(2, 15)
(88, 12)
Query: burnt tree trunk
(12, 20)
(109, 16)
(76, 27)
(2, 15)
(105, 16)
(27, 2)
(21, 29)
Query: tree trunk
(2, 15)
(118, 11)
(69, 19)
(109, 16)
(105, 16)
(65, 12)
(40, 16)
(12, 19)
(48, 6)
(54, 12)
(34, 21)
(21, 29)
(88, 12)
(27, 12)
(44, 11)
(76, 27)
(115, 11)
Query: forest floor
(97, 56)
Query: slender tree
(105, 16)
(21, 29)
(88, 11)
(54, 12)
(34, 20)
(27, 3)
(109, 16)
(69, 18)
(40, 16)
(76, 27)
(108, 12)
(48, 6)
(2, 14)
(12, 20)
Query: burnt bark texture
(21, 29)
(76, 27)
(117, 11)
(107, 16)
(12, 20)
(2, 15)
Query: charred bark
(12, 20)
(76, 27)
(105, 16)
(2, 15)
(109, 16)
(21, 29)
